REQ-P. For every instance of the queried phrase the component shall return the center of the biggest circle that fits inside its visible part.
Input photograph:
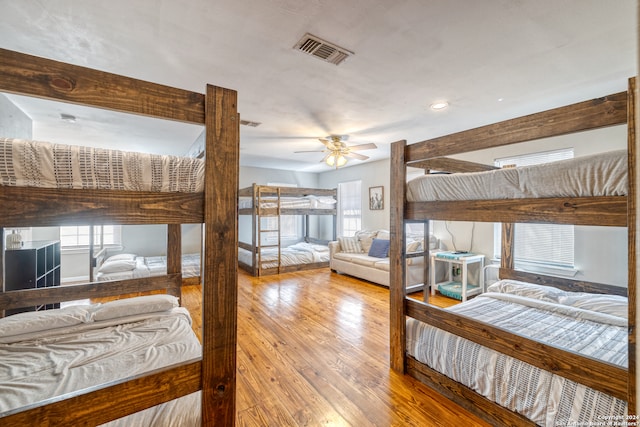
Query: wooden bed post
(632, 176)
(174, 256)
(220, 279)
(397, 322)
(508, 246)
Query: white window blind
(349, 208)
(543, 244)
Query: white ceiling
(533, 55)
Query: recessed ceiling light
(440, 105)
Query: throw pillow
(379, 248)
(384, 234)
(365, 237)
(350, 245)
(414, 246)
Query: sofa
(366, 256)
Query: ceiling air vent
(328, 52)
(250, 123)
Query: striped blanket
(26, 163)
(545, 398)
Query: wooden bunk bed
(215, 372)
(260, 202)
(601, 210)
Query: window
(349, 208)
(540, 244)
(77, 237)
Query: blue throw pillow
(379, 248)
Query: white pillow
(350, 245)
(615, 305)
(384, 235)
(117, 266)
(121, 257)
(529, 290)
(137, 305)
(414, 246)
(44, 320)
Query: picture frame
(376, 198)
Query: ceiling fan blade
(369, 146)
(356, 156)
(327, 143)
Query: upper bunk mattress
(306, 202)
(25, 163)
(602, 174)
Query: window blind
(547, 244)
(349, 208)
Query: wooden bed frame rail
(216, 208)
(617, 211)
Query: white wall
(373, 174)
(13, 122)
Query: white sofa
(351, 256)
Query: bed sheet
(545, 398)
(603, 174)
(153, 266)
(299, 253)
(306, 202)
(43, 364)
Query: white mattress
(306, 202)
(590, 325)
(299, 253)
(60, 351)
(603, 174)
(153, 266)
(25, 163)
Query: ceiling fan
(338, 152)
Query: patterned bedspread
(49, 353)
(299, 253)
(41, 164)
(555, 317)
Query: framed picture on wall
(376, 198)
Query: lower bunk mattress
(589, 324)
(131, 266)
(49, 353)
(299, 253)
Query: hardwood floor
(313, 349)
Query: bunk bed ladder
(269, 228)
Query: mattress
(591, 325)
(26, 163)
(49, 353)
(603, 174)
(306, 202)
(299, 253)
(130, 266)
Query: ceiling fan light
(341, 161)
(331, 160)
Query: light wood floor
(313, 349)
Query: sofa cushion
(363, 259)
(366, 238)
(382, 264)
(350, 245)
(344, 256)
(379, 248)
